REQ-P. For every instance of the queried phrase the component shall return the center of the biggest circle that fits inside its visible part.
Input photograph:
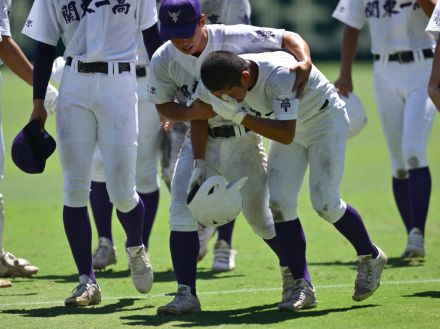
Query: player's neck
(203, 42)
(253, 71)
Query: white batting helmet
(216, 202)
(356, 114)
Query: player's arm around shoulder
(299, 48)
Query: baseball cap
(31, 148)
(178, 18)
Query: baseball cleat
(104, 255)
(11, 266)
(205, 234)
(302, 296)
(85, 294)
(183, 302)
(415, 248)
(369, 271)
(5, 284)
(224, 257)
(140, 268)
(288, 283)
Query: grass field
(247, 297)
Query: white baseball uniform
(320, 137)
(174, 75)
(434, 22)
(403, 59)
(96, 107)
(147, 179)
(228, 12)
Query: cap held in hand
(31, 147)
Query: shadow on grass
(393, 262)
(263, 314)
(430, 294)
(163, 276)
(51, 312)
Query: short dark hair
(222, 69)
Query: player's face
(238, 93)
(194, 45)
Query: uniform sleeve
(5, 28)
(160, 86)
(239, 12)
(147, 14)
(434, 22)
(278, 89)
(252, 39)
(42, 24)
(351, 13)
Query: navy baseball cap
(31, 148)
(178, 18)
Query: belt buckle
(81, 68)
(405, 56)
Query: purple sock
(184, 248)
(274, 244)
(225, 232)
(401, 195)
(79, 234)
(133, 222)
(352, 227)
(102, 209)
(293, 243)
(419, 194)
(151, 203)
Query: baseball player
(402, 54)
(14, 58)
(226, 12)
(97, 105)
(174, 75)
(434, 82)
(307, 132)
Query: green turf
(247, 297)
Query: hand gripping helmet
(216, 202)
(356, 114)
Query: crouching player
(249, 90)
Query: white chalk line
(223, 292)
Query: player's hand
(198, 175)
(344, 85)
(39, 113)
(50, 100)
(302, 70)
(434, 93)
(202, 110)
(228, 108)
